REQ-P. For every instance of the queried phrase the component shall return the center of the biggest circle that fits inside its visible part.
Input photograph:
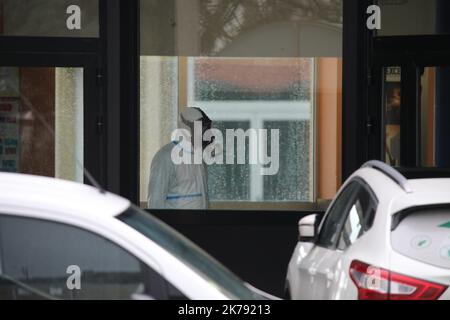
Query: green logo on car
(445, 225)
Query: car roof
(55, 195)
(414, 186)
(430, 185)
(407, 193)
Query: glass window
(422, 234)
(359, 219)
(279, 104)
(431, 125)
(231, 183)
(414, 17)
(37, 264)
(49, 18)
(242, 28)
(42, 121)
(336, 215)
(250, 104)
(294, 182)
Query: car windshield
(187, 252)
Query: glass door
(394, 113)
(50, 120)
(409, 112)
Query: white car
(383, 237)
(63, 240)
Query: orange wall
(329, 125)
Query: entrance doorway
(409, 103)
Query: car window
(329, 232)
(423, 234)
(187, 252)
(48, 260)
(359, 220)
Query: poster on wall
(9, 135)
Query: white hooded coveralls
(178, 186)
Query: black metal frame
(410, 53)
(119, 35)
(130, 99)
(356, 125)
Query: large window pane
(42, 121)
(266, 93)
(284, 98)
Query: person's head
(188, 118)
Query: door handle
(312, 271)
(330, 275)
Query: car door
(357, 218)
(47, 260)
(312, 268)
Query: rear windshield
(424, 235)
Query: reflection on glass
(294, 181)
(414, 17)
(41, 121)
(392, 114)
(248, 93)
(260, 93)
(249, 64)
(49, 18)
(241, 28)
(230, 182)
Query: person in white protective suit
(183, 185)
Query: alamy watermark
(74, 280)
(374, 19)
(192, 152)
(73, 21)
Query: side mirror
(307, 228)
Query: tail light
(379, 284)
